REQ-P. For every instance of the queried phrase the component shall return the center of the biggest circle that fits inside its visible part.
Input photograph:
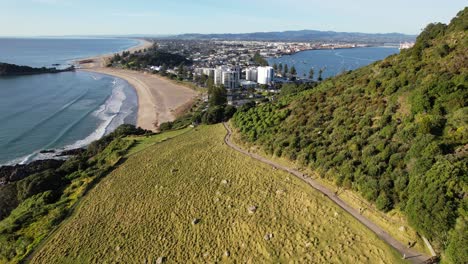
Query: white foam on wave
(20, 160)
(112, 114)
(107, 112)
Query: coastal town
(240, 71)
(233, 132)
(239, 66)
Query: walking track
(411, 255)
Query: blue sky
(120, 17)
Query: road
(411, 255)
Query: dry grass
(143, 142)
(145, 208)
(393, 222)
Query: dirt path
(411, 255)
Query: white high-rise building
(218, 75)
(266, 75)
(205, 71)
(208, 72)
(229, 78)
(251, 74)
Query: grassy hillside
(187, 199)
(45, 198)
(395, 131)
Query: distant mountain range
(300, 35)
(306, 35)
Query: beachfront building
(228, 77)
(231, 79)
(209, 72)
(266, 75)
(218, 74)
(205, 71)
(251, 74)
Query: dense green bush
(213, 115)
(153, 56)
(395, 130)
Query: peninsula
(16, 70)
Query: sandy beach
(158, 99)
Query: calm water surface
(334, 61)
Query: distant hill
(15, 70)
(306, 35)
(395, 131)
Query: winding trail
(411, 255)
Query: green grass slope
(395, 131)
(145, 210)
(46, 198)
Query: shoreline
(158, 98)
(89, 62)
(153, 106)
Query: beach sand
(158, 99)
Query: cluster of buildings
(232, 64)
(233, 77)
(213, 53)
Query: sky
(162, 17)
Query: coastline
(158, 98)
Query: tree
(286, 70)
(217, 96)
(117, 58)
(431, 207)
(213, 115)
(320, 78)
(311, 74)
(181, 70)
(293, 71)
(229, 111)
(275, 67)
(383, 202)
(457, 251)
(163, 70)
(209, 83)
(259, 60)
(201, 79)
(280, 67)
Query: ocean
(59, 111)
(333, 61)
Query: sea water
(59, 111)
(335, 61)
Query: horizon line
(195, 33)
